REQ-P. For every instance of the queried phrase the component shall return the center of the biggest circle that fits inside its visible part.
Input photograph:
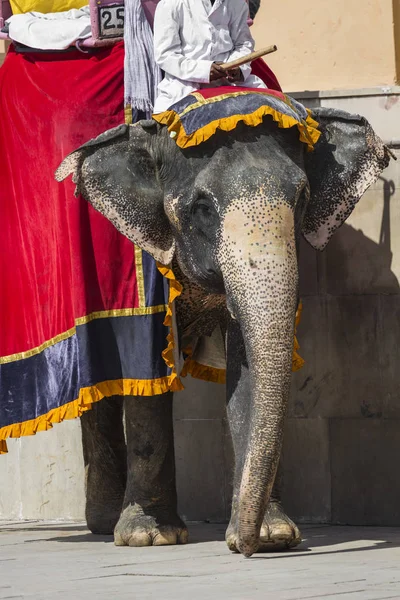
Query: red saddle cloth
(260, 68)
(81, 308)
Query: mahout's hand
(216, 72)
(235, 75)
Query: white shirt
(189, 35)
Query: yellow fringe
(203, 372)
(134, 387)
(297, 361)
(175, 290)
(214, 375)
(309, 134)
(87, 397)
(192, 367)
(128, 115)
(206, 373)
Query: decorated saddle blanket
(195, 118)
(82, 309)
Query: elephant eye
(203, 207)
(204, 215)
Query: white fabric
(52, 31)
(141, 74)
(189, 35)
(209, 351)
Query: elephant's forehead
(259, 223)
(244, 169)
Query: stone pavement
(41, 560)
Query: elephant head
(230, 212)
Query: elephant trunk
(260, 275)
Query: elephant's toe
(278, 532)
(170, 536)
(231, 539)
(138, 530)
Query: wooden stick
(248, 58)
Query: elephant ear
(254, 7)
(116, 173)
(346, 160)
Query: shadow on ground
(318, 539)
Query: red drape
(60, 259)
(260, 68)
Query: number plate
(111, 21)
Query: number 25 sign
(111, 21)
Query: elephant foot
(278, 532)
(135, 528)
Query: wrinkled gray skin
(228, 215)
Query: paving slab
(43, 560)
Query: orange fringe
(192, 367)
(134, 387)
(309, 134)
(175, 290)
(297, 361)
(87, 397)
(203, 372)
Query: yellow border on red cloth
(134, 387)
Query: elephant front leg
(149, 516)
(104, 454)
(278, 531)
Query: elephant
(254, 6)
(227, 215)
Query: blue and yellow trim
(75, 362)
(103, 357)
(87, 397)
(189, 128)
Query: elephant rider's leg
(104, 454)
(278, 531)
(149, 516)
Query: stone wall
(343, 431)
(331, 44)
